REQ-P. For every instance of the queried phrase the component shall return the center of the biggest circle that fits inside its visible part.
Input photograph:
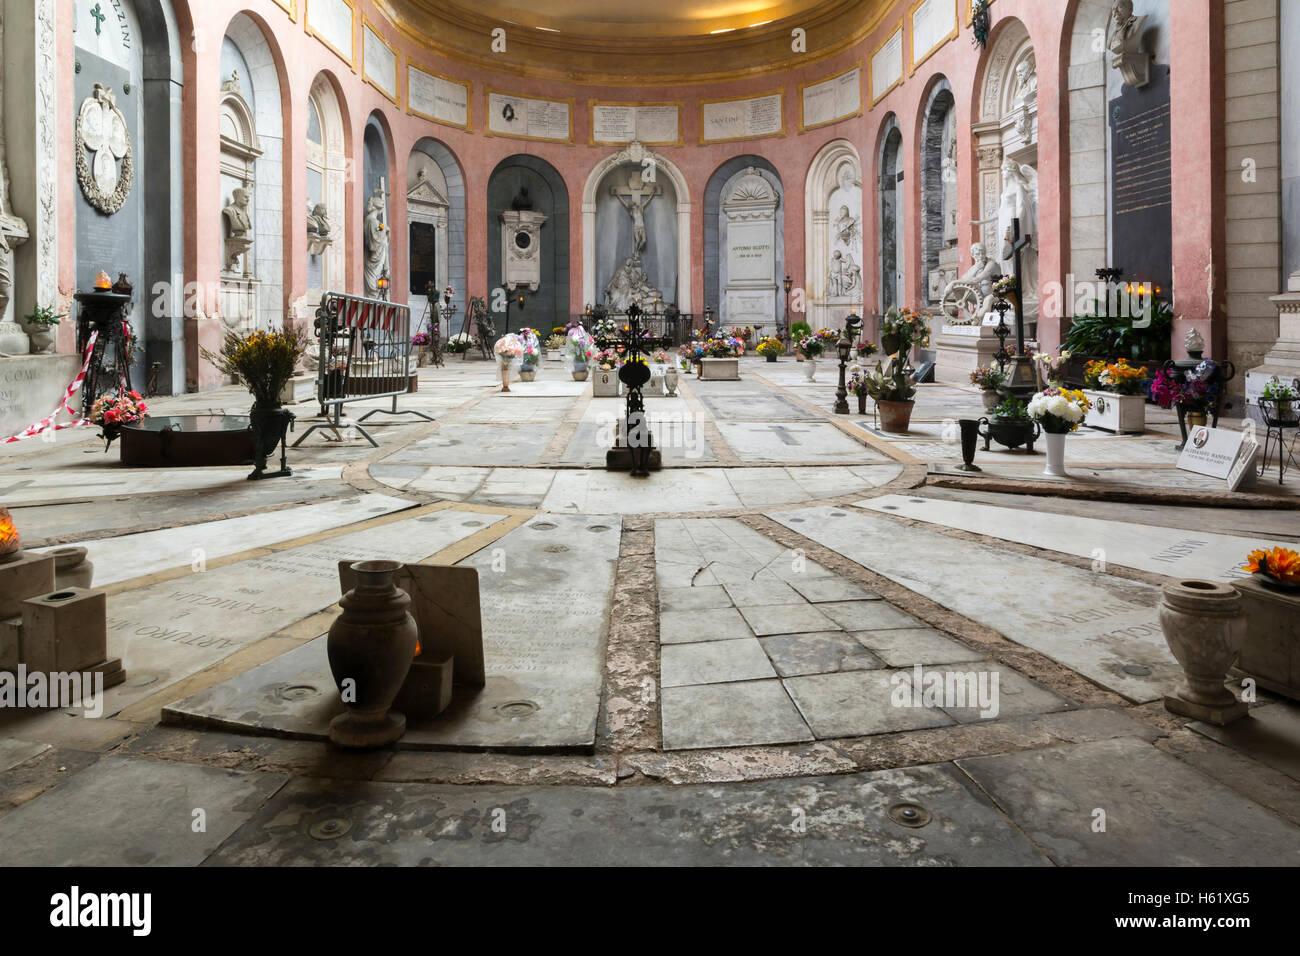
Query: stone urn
(527, 373)
(42, 337)
(370, 647)
(809, 368)
(670, 380)
(580, 371)
(72, 569)
(991, 399)
(1204, 626)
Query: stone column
(17, 57)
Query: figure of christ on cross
(634, 198)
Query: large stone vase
(72, 569)
(371, 646)
(809, 368)
(1204, 626)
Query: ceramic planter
(1205, 627)
(895, 416)
(1010, 432)
(1055, 455)
(670, 381)
(370, 648)
(1117, 413)
(580, 371)
(42, 337)
(809, 368)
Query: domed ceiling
(632, 41)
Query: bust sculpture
(238, 226)
(1125, 45)
(318, 223)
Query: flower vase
(579, 371)
(42, 337)
(505, 376)
(770, 357)
(370, 647)
(862, 403)
(1205, 626)
(991, 399)
(527, 373)
(809, 368)
(269, 424)
(670, 380)
(72, 569)
(1055, 455)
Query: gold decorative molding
(862, 94)
(396, 96)
(350, 57)
(469, 96)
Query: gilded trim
(703, 141)
(469, 96)
(803, 128)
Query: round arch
(937, 150)
(890, 205)
(713, 193)
(834, 176)
(549, 195)
(450, 252)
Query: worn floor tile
(707, 624)
(730, 715)
(713, 662)
(821, 652)
(903, 647)
(786, 619)
(690, 599)
(867, 615)
(857, 703)
(819, 590)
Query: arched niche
(140, 60)
(435, 200)
(833, 223)
(1088, 161)
(252, 160)
(668, 215)
(890, 210)
(939, 225)
(376, 205)
(327, 166)
(721, 193)
(549, 306)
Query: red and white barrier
(47, 423)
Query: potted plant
(555, 347)
(262, 361)
(41, 323)
(581, 349)
(808, 349)
(460, 342)
(798, 332)
(507, 349)
(1051, 370)
(421, 340)
(606, 382)
(857, 385)
(1058, 411)
(1194, 391)
(989, 379)
(770, 347)
(1010, 426)
(1116, 392)
(531, 354)
(866, 349)
(1280, 398)
(902, 330)
(894, 393)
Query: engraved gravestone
(1141, 220)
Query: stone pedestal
(720, 370)
(30, 388)
(64, 631)
(604, 384)
(1282, 361)
(960, 349)
(1271, 652)
(300, 388)
(1122, 414)
(24, 576)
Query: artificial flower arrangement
(508, 348)
(531, 343)
(866, 349)
(742, 332)
(1004, 287)
(1049, 368)
(604, 328)
(817, 342)
(989, 378)
(770, 346)
(1058, 410)
(1118, 377)
(420, 339)
(907, 327)
(261, 360)
(660, 357)
(1277, 564)
(118, 410)
(606, 360)
(1195, 392)
(857, 380)
(557, 330)
(460, 342)
(1281, 395)
(730, 347)
(690, 352)
(580, 345)
(556, 342)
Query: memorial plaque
(724, 120)
(651, 125)
(424, 257)
(885, 69)
(437, 98)
(331, 22)
(379, 63)
(1141, 197)
(831, 100)
(529, 118)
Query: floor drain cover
(796, 520)
(517, 709)
(375, 511)
(838, 514)
(428, 520)
(917, 501)
(471, 524)
(543, 526)
(909, 814)
(299, 692)
(1137, 670)
(555, 548)
(596, 528)
(331, 829)
(890, 507)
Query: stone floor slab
(730, 715)
(857, 703)
(904, 647)
(14, 752)
(822, 590)
(823, 652)
(713, 662)
(705, 624)
(772, 590)
(691, 599)
(1269, 734)
(794, 442)
(847, 823)
(867, 615)
(1159, 812)
(133, 811)
(786, 619)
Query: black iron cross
(99, 18)
(636, 342)
(1014, 242)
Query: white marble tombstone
(750, 293)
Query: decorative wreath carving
(102, 129)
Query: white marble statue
(1020, 201)
(968, 299)
(376, 236)
(239, 226)
(634, 198)
(844, 277)
(846, 228)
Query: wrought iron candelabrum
(634, 449)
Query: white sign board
(1213, 451)
(832, 99)
(651, 125)
(529, 118)
(934, 22)
(742, 119)
(886, 68)
(437, 98)
(379, 62)
(331, 22)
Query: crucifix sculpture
(634, 197)
(1022, 379)
(639, 454)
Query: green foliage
(800, 330)
(1115, 336)
(893, 384)
(45, 315)
(1011, 408)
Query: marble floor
(799, 610)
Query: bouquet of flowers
(1118, 377)
(989, 378)
(660, 357)
(262, 361)
(1004, 287)
(1058, 410)
(1050, 368)
(531, 343)
(460, 342)
(508, 348)
(1279, 564)
(555, 342)
(118, 410)
(865, 348)
(420, 339)
(907, 327)
(770, 346)
(606, 360)
(581, 347)
(690, 352)
(857, 380)
(604, 328)
(1195, 392)
(742, 332)
(726, 347)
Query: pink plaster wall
(1198, 215)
